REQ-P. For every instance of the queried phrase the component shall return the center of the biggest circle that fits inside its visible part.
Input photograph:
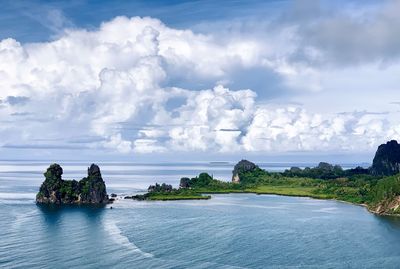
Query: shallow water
(228, 231)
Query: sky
(201, 80)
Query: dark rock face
(94, 171)
(93, 188)
(242, 167)
(387, 159)
(89, 190)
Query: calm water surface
(228, 231)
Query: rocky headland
(387, 159)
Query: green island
(376, 187)
(165, 192)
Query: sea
(227, 231)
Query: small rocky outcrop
(184, 183)
(387, 159)
(242, 167)
(89, 190)
(387, 207)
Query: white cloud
(116, 84)
(211, 119)
(294, 129)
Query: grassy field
(354, 190)
(264, 189)
(289, 191)
(170, 197)
(271, 189)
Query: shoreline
(312, 197)
(268, 193)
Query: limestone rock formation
(387, 159)
(89, 190)
(242, 167)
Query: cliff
(387, 159)
(89, 190)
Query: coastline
(316, 197)
(313, 197)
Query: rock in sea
(89, 190)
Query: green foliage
(325, 182)
(85, 186)
(385, 189)
(54, 189)
(69, 190)
(202, 180)
(325, 171)
(175, 194)
(184, 183)
(355, 189)
(205, 181)
(253, 177)
(179, 196)
(160, 188)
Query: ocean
(228, 231)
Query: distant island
(89, 190)
(376, 187)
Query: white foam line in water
(23, 217)
(313, 218)
(17, 195)
(331, 210)
(217, 203)
(116, 234)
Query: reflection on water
(52, 214)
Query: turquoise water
(228, 231)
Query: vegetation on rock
(89, 190)
(325, 171)
(242, 167)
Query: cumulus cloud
(120, 85)
(293, 129)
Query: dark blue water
(228, 231)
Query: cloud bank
(137, 86)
